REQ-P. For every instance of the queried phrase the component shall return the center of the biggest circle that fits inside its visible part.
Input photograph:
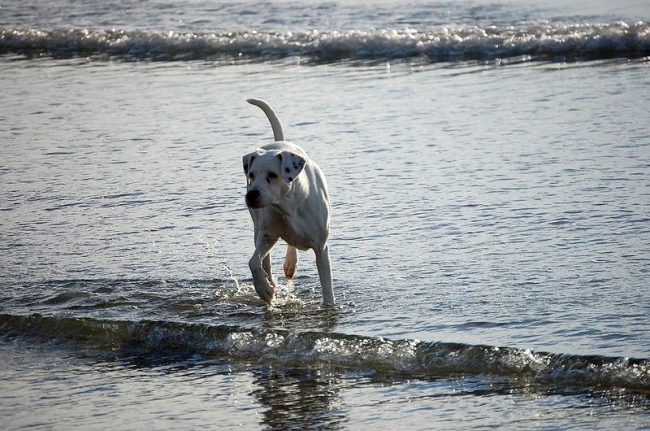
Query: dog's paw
(289, 270)
(265, 290)
(290, 262)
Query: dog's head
(269, 175)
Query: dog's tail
(276, 125)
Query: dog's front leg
(325, 273)
(260, 266)
(266, 264)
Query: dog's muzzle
(253, 199)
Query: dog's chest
(295, 231)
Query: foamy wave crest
(534, 41)
(293, 348)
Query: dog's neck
(290, 199)
(280, 210)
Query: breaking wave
(313, 348)
(489, 43)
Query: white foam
(538, 40)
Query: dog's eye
(251, 176)
(272, 176)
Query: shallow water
(489, 237)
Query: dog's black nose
(252, 197)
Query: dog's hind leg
(290, 262)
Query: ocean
(488, 165)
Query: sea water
(488, 166)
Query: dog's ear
(248, 161)
(292, 165)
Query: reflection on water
(300, 398)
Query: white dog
(287, 198)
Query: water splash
(231, 275)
